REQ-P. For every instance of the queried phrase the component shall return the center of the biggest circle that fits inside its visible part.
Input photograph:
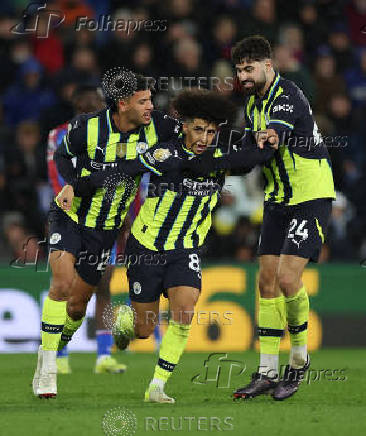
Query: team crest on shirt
(137, 288)
(55, 238)
(121, 149)
(161, 154)
(141, 147)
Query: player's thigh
(94, 254)
(268, 283)
(64, 243)
(183, 269)
(307, 228)
(145, 272)
(90, 265)
(273, 229)
(146, 317)
(182, 301)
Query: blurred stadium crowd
(319, 44)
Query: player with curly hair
(172, 225)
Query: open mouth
(248, 84)
(147, 116)
(200, 148)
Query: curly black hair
(204, 104)
(252, 48)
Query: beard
(256, 87)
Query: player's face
(138, 108)
(252, 75)
(199, 135)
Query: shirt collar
(113, 128)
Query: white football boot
(47, 385)
(156, 394)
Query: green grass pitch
(323, 407)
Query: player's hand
(65, 197)
(267, 137)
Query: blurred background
(319, 44)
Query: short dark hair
(204, 104)
(252, 48)
(120, 83)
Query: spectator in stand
(356, 79)
(290, 68)
(22, 174)
(340, 45)
(291, 36)
(314, 29)
(48, 51)
(224, 36)
(121, 44)
(326, 80)
(142, 60)
(347, 156)
(25, 99)
(262, 20)
(188, 60)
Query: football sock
(271, 324)
(297, 310)
(53, 320)
(171, 348)
(104, 342)
(69, 329)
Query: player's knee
(183, 314)
(76, 312)
(76, 307)
(144, 331)
(60, 288)
(266, 285)
(288, 283)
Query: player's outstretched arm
(158, 159)
(242, 161)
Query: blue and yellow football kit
(89, 229)
(298, 178)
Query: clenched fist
(267, 137)
(65, 197)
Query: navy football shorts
(92, 248)
(151, 273)
(297, 230)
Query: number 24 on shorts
(298, 229)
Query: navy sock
(104, 342)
